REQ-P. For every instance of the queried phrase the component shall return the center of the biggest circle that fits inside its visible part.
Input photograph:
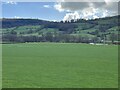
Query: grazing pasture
(60, 65)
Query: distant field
(60, 65)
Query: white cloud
(95, 17)
(92, 13)
(71, 16)
(46, 6)
(86, 9)
(11, 2)
(58, 7)
(17, 17)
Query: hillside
(83, 31)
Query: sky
(57, 11)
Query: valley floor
(59, 65)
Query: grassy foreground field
(60, 65)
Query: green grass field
(60, 65)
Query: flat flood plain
(59, 65)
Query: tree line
(57, 37)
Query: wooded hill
(103, 30)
